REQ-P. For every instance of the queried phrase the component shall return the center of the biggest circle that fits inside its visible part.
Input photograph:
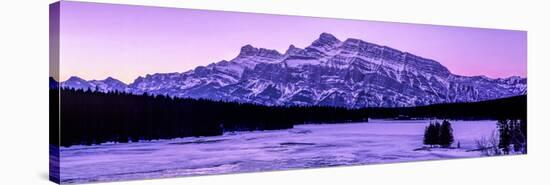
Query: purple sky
(122, 41)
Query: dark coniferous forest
(505, 108)
(91, 117)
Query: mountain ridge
(352, 73)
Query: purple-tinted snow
(304, 146)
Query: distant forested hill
(506, 108)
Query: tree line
(506, 108)
(91, 117)
(512, 135)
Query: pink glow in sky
(124, 42)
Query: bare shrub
(488, 146)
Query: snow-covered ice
(304, 146)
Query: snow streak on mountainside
(351, 73)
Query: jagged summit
(292, 50)
(353, 73)
(249, 50)
(328, 38)
(325, 41)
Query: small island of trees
(439, 134)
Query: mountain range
(352, 73)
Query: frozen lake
(304, 146)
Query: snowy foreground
(304, 146)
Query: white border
(24, 103)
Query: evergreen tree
(431, 134)
(505, 135)
(427, 135)
(446, 137)
(522, 130)
(512, 134)
(518, 135)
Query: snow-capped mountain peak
(351, 73)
